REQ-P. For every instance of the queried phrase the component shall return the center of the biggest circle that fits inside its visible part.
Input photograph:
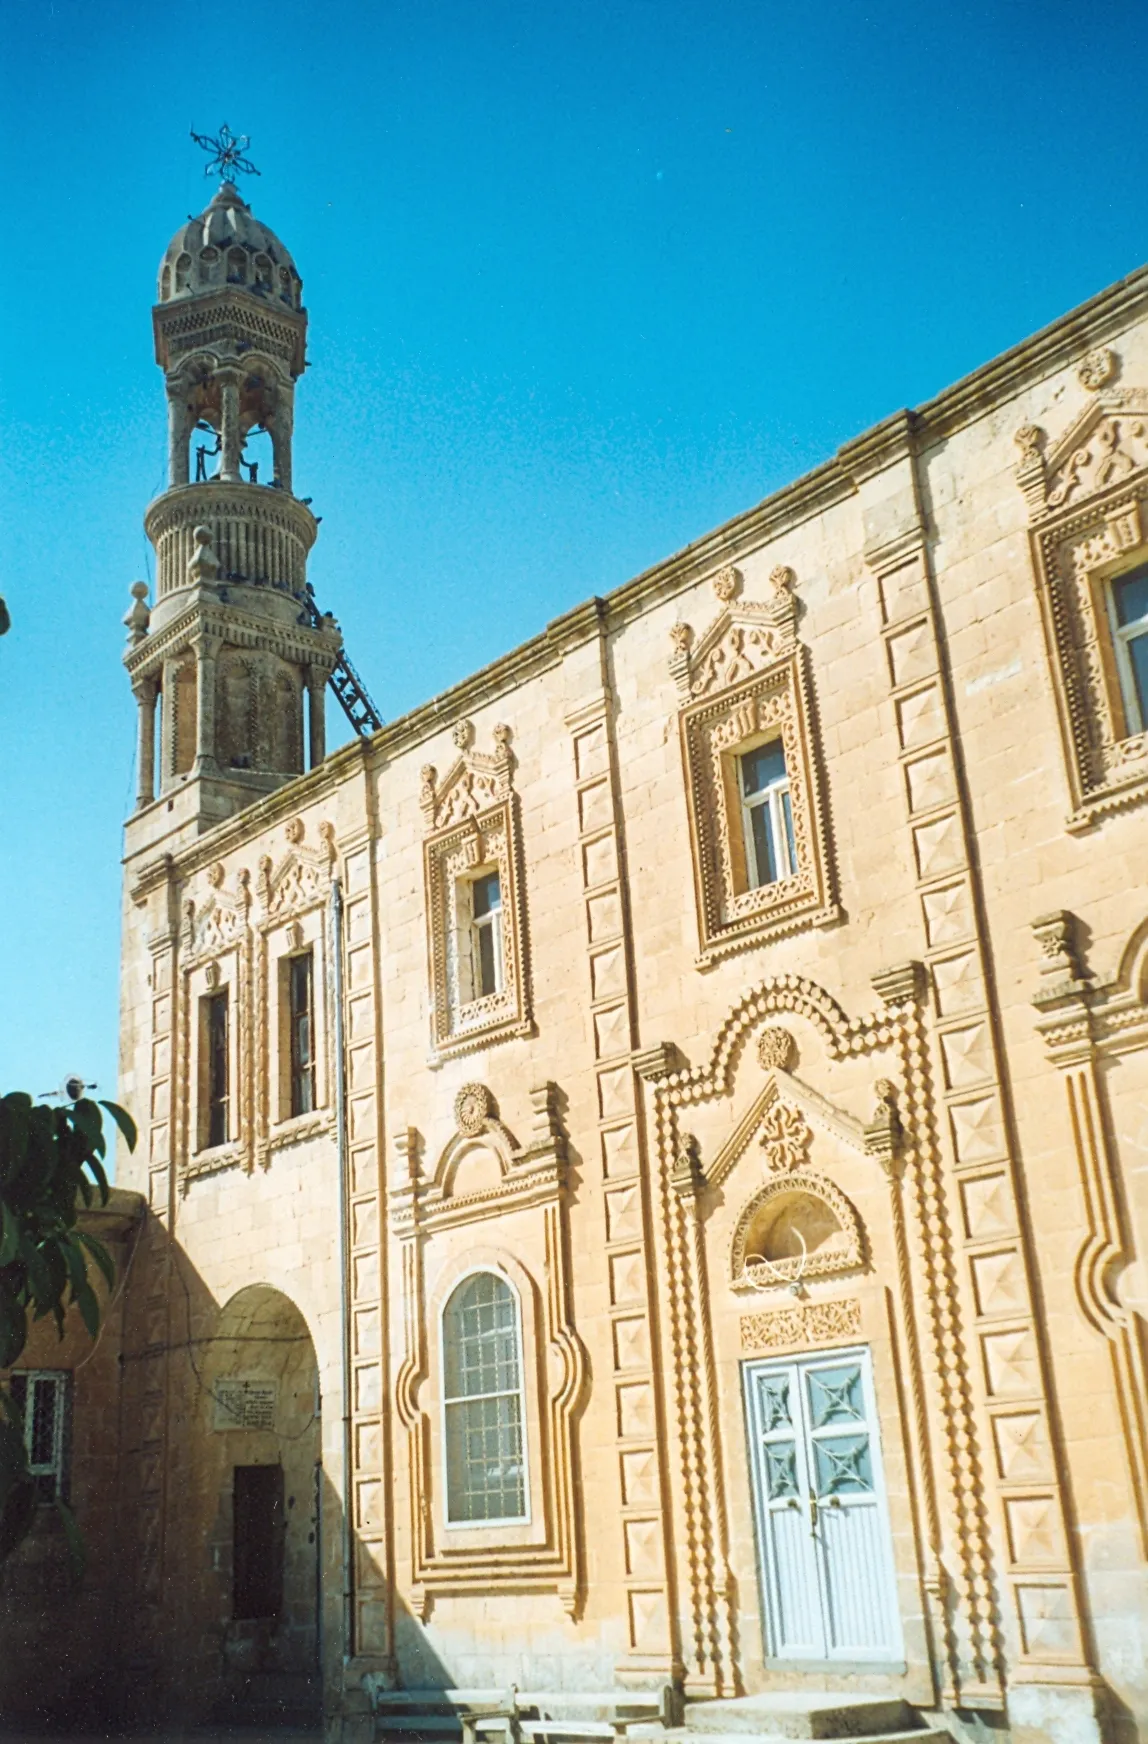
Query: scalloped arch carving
(841, 1247)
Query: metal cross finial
(226, 153)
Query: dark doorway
(258, 1525)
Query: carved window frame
(747, 683)
(472, 817)
(1088, 526)
(532, 1252)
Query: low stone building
(645, 1153)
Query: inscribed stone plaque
(244, 1404)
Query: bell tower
(230, 662)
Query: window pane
(302, 1065)
(487, 894)
(217, 1069)
(487, 971)
(1138, 654)
(1131, 593)
(481, 1331)
(485, 1469)
(762, 767)
(763, 845)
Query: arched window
(183, 272)
(483, 1403)
(237, 267)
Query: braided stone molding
(1086, 498)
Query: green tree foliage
(51, 1167)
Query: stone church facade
(644, 1155)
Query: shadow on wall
(213, 1590)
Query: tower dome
(228, 246)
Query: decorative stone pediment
(301, 879)
(746, 636)
(475, 781)
(1105, 445)
(778, 1127)
(530, 1174)
(218, 921)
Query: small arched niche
(797, 1226)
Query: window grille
(43, 1398)
(485, 1441)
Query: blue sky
(584, 281)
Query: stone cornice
(221, 620)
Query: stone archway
(261, 1400)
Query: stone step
(820, 1714)
(683, 1735)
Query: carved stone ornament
(472, 1107)
(1097, 369)
(775, 1049)
(812, 1323)
(748, 682)
(294, 830)
(727, 583)
(837, 1241)
(1087, 497)
(785, 1138)
(472, 822)
(212, 976)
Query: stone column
(231, 444)
(167, 725)
(145, 694)
(206, 649)
(317, 714)
(178, 435)
(280, 427)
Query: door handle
(812, 1512)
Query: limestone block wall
(667, 1052)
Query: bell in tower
(232, 660)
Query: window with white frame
(1129, 598)
(767, 815)
(42, 1398)
(483, 1403)
(485, 942)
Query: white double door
(823, 1547)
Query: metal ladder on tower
(346, 683)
